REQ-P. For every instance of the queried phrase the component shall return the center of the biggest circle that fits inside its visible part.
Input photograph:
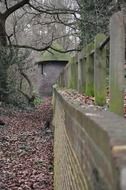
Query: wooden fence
(100, 67)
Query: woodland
(28, 28)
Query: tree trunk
(3, 82)
(3, 36)
(3, 64)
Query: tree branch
(53, 11)
(15, 7)
(30, 47)
(6, 4)
(65, 51)
(27, 79)
(30, 99)
(31, 96)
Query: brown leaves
(26, 153)
(82, 100)
(87, 101)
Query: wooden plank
(81, 71)
(73, 73)
(100, 59)
(117, 61)
(89, 70)
(104, 42)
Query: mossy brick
(100, 60)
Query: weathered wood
(100, 59)
(104, 42)
(73, 72)
(66, 70)
(101, 45)
(89, 70)
(61, 82)
(81, 71)
(117, 61)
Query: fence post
(66, 75)
(81, 71)
(69, 73)
(89, 70)
(100, 59)
(59, 80)
(117, 61)
(73, 73)
(62, 79)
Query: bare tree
(35, 18)
(34, 25)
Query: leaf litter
(26, 149)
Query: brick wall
(89, 148)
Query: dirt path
(26, 150)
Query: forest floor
(26, 148)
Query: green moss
(73, 74)
(89, 71)
(100, 71)
(99, 38)
(100, 96)
(72, 78)
(116, 99)
(72, 84)
(100, 100)
(89, 90)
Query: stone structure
(89, 147)
(50, 66)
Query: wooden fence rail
(87, 71)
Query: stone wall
(89, 148)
